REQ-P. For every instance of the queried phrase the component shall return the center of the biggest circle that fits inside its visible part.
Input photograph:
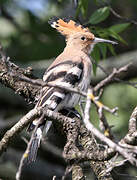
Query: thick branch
(18, 127)
(8, 72)
(130, 140)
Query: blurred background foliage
(28, 40)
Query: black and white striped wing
(67, 74)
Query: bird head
(77, 36)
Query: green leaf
(103, 33)
(96, 57)
(103, 49)
(78, 10)
(119, 27)
(85, 6)
(111, 48)
(94, 66)
(82, 7)
(117, 37)
(99, 15)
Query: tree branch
(19, 80)
(17, 128)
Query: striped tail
(34, 144)
(36, 139)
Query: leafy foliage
(118, 28)
(113, 31)
(99, 15)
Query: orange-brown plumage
(67, 27)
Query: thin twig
(113, 76)
(104, 124)
(121, 17)
(25, 155)
(54, 177)
(67, 171)
(116, 79)
(103, 138)
(81, 108)
(112, 165)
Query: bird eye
(83, 38)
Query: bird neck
(78, 48)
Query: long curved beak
(97, 40)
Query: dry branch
(124, 152)
(8, 72)
(17, 128)
(21, 81)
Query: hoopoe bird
(72, 68)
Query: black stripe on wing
(80, 65)
(56, 99)
(74, 75)
(45, 95)
(71, 78)
(52, 98)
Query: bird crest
(67, 26)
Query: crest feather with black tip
(67, 26)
